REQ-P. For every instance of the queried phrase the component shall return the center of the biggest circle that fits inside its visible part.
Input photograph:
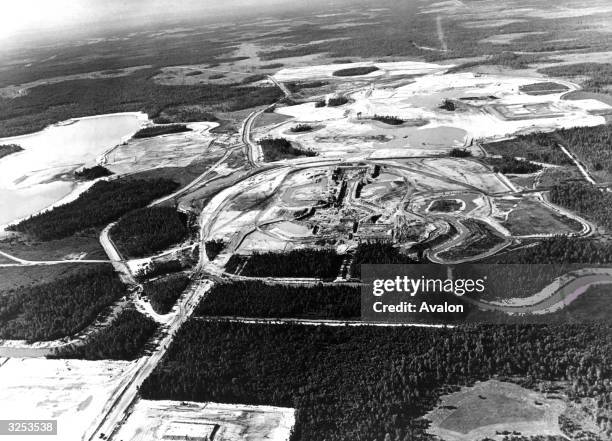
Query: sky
(20, 17)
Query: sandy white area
(327, 70)
(171, 150)
(158, 420)
(73, 392)
(349, 130)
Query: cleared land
(492, 407)
(54, 389)
(153, 420)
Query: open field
(171, 150)
(54, 389)
(157, 420)
(491, 407)
(530, 217)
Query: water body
(40, 176)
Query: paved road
(122, 398)
(25, 262)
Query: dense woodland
(213, 248)
(387, 119)
(163, 293)
(103, 203)
(590, 144)
(124, 339)
(336, 101)
(50, 103)
(323, 264)
(7, 149)
(371, 383)
(275, 149)
(258, 299)
(301, 128)
(147, 231)
(593, 145)
(459, 153)
(538, 147)
(59, 308)
(376, 253)
(599, 74)
(509, 164)
(91, 173)
(149, 132)
(159, 268)
(560, 249)
(175, 114)
(353, 71)
(585, 199)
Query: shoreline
(140, 115)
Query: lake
(41, 175)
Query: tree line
(123, 339)
(91, 173)
(376, 252)
(372, 383)
(323, 264)
(101, 204)
(151, 131)
(259, 299)
(149, 230)
(585, 199)
(7, 149)
(164, 292)
(509, 164)
(275, 149)
(59, 308)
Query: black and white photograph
(321, 220)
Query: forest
(275, 149)
(91, 173)
(336, 101)
(7, 149)
(459, 153)
(322, 264)
(50, 103)
(124, 339)
(101, 204)
(353, 71)
(373, 383)
(149, 230)
(376, 253)
(259, 299)
(591, 145)
(509, 164)
(585, 199)
(163, 292)
(213, 248)
(301, 128)
(391, 120)
(148, 132)
(538, 147)
(59, 308)
(599, 74)
(175, 114)
(560, 249)
(159, 268)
